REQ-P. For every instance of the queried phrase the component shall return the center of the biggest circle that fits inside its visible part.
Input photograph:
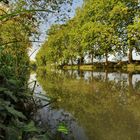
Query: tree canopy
(99, 28)
(19, 27)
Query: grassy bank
(133, 67)
(90, 67)
(80, 67)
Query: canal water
(93, 105)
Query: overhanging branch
(7, 16)
(18, 41)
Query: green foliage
(99, 28)
(62, 128)
(33, 65)
(18, 25)
(14, 60)
(95, 30)
(13, 114)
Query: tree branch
(21, 12)
(18, 41)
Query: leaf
(44, 137)
(13, 133)
(3, 126)
(62, 128)
(2, 89)
(30, 127)
(41, 137)
(10, 94)
(12, 81)
(15, 112)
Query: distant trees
(99, 28)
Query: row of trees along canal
(19, 22)
(99, 28)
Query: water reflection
(50, 118)
(95, 105)
(110, 76)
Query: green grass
(70, 67)
(133, 67)
(87, 67)
(128, 67)
(137, 67)
(82, 67)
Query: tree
(133, 38)
(18, 25)
(122, 16)
(99, 28)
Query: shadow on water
(97, 105)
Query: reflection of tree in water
(137, 86)
(106, 110)
(130, 82)
(80, 73)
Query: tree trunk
(106, 76)
(92, 76)
(130, 81)
(92, 58)
(81, 60)
(130, 58)
(71, 61)
(106, 58)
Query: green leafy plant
(62, 128)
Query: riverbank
(103, 65)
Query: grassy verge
(73, 67)
(82, 67)
(128, 67)
(133, 67)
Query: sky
(45, 26)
